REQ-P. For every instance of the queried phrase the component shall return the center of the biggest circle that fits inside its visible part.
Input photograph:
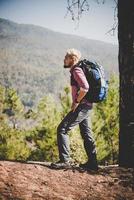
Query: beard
(66, 66)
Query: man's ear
(74, 58)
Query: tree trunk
(126, 69)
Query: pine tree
(105, 121)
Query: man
(80, 111)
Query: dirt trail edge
(36, 181)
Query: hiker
(79, 114)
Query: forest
(30, 134)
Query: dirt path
(21, 181)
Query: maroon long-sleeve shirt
(82, 82)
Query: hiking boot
(61, 165)
(89, 166)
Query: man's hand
(74, 106)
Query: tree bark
(126, 69)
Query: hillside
(31, 58)
(20, 181)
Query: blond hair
(74, 52)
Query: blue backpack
(98, 85)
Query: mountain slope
(31, 58)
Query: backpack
(98, 85)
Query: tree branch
(77, 7)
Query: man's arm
(82, 93)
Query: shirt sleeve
(80, 78)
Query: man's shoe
(89, 166)
(61, 165)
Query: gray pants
(79, 116)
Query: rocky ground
(32, 181)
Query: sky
(94, 23)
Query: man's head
(71, 58)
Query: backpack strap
(73, 81)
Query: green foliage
(12, 144)
(44, 135)
(105, 122)
(2, 98)
(12, 101)
(30, 114)
(77, 151)
(40, 141)
(65, 100)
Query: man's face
(68, 61)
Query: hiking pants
(79, 116)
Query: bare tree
(76, 8)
